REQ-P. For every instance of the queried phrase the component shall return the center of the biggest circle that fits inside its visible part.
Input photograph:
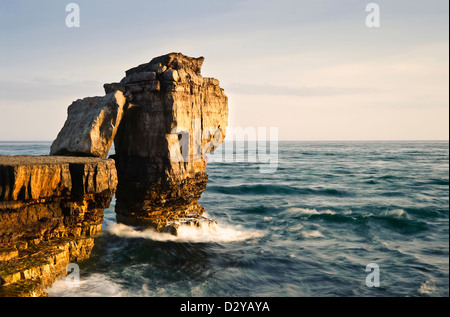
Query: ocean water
(308, 229)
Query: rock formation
(163, 117)
(91, 126)
(50, 209)
(174, 117)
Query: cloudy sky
(312, 68)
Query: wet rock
(173, 226)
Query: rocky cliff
(50, 209)
(174, 117)
(163, 116)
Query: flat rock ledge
(51, 207)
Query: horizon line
(312, 140)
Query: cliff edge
(51, 207)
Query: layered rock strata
(51, 207)
(174, 117)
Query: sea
(332, 219)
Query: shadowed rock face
(50, 209)
(174, 117)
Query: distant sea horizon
(319, 140)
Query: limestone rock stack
(174, 117)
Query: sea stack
(174, 116)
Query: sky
(311, 68)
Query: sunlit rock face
(91, 126)
(51, 207)
(174, 116)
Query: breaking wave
(94, 285)
(311, 234)
(204, 233)
(427, 288)
(306, 212)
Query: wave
(270, 189)
(396, 219)
(396, 214)
(295, 228)
(204, 233)
(387, 177)
(427, 211)
(443, 182)
(94, 285)
(306, 211)
(255, 210)
(400, 220)
(327, 215)
(311, 234)
(427, 288)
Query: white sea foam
(427, 288)
(189, 233)
(311, 234)
(307, 211)
(95, 285)
(102, 285)
(295, 228)
(300, 211)
(396, 213)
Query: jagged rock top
(163, 73)
(175, 61)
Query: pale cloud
(268, 89)
(38, 89)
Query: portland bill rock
(163, 117)
(173, 117)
